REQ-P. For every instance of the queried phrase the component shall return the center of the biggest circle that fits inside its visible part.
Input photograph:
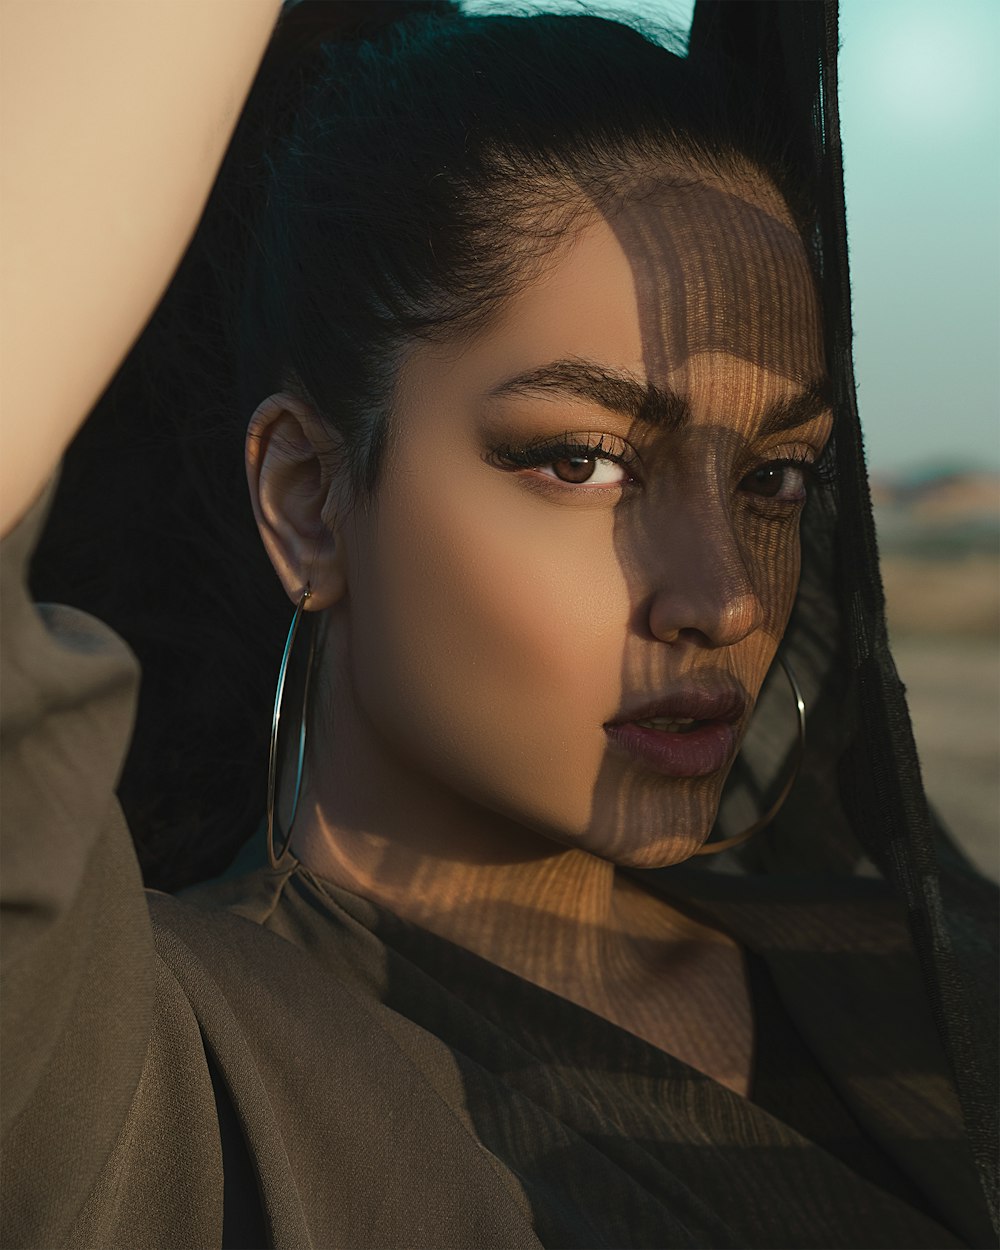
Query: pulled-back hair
(389, 182)
(428, 168)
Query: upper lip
(723, 701)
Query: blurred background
(920, 107)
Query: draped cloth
(272, 1061)
(861, 795)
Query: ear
(292, 471)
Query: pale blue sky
(920, 105)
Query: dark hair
(426, 168)
(387, 182)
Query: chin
(660, 853)
(632, 849)
(652, 826)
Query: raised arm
(113, 118)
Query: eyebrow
(620, 391)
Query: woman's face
(584, 549)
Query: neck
(540, 910)
(556, 916)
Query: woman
(541, 380)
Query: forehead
(691, 287)
(714, 271)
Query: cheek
(772, 557)
(771, 553)
(488, 626)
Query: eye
(584, 460)
(590, 470)
(783, 480)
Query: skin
(484, 622)
(114, 119)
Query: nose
(704, 590)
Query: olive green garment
(389, 1089)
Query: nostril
(718, 616)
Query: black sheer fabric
(848, 1137)
(860, 795)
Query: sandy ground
(955, 599)
(953, 687)
(944, 624)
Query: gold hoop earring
(725, 844)
(272, 760)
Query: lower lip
(696, 753)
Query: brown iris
(574, 468)
(768, 481)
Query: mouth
(691, 733)
(679, 726)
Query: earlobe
(292, 473)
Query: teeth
(667, 726)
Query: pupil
(769, 480)
(574, 469)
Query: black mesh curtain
(777, 59)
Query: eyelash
(568, 447)
(814, 474)
(819, 473)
